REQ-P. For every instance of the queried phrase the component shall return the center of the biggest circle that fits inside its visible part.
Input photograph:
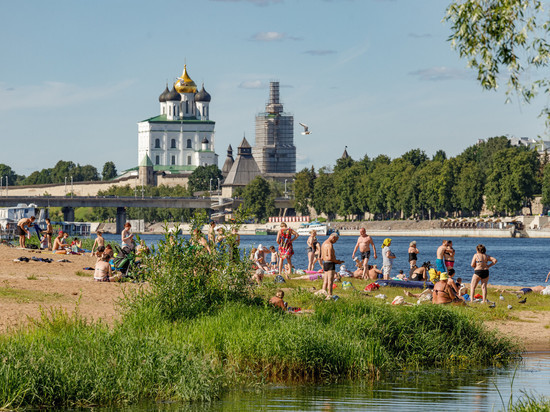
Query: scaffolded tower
(274, 150)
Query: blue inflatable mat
(409, 284)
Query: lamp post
(285, 188)
(65, 185)
(72, 191)
(210, 184)
(1, 185)
(218, 184)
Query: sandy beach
(26, 287)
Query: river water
(438, 390)
(521, 262)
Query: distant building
(181, 137)
(274, 150)
(243, 170)
(541, 146)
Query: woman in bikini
(443, 293)
(413, 254)
(103, 271)
(481, 262)
(285, 237)
(449, 255)
(311, 249)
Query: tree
(85, 173)
(109, 171)
(439, 156)
(324, 194)
(546, 186)
(204, 178)
(416, 157)
(469, 188)
(257, 197)
(5, 170)
(304, 185)
(498, 36)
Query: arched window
(186, 106)
(157, 159)
(157, 143)
(173, 160)
(189, 144)
(173, 144)
(188, 160)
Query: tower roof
(184, 83)
(345, 155)
(162, 97)
(228, 162)
(244, 169)
(146, 161)
(203, 95)
(173, 96)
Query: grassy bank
(197, 328)
(63, 359)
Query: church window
(173, 160)
(186, 106)
(157, 143)
(157, 159)
(173, 144)
(188, 160)
(189, 144)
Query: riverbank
(26, 287)
(406, 228)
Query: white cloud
(440, 73)
(253, 84)
(54, 94)
(272, 36)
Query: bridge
(68, 203)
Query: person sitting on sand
(59, 244)
(421, 273)
(278, 301)
(103, 271)
(99, 241)
(99, 252)
(443, 293)
(453, 285)
(108, 251)
(259, 257)
(76, 245)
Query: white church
(181, 137)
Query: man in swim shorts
(440, 257)
(364, 243)
(328, 257)
(22, 229)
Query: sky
(377, 76)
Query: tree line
(57, 174)
(503, 177)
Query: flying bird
(306, 129)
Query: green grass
(531, 403)
(32, 277)
(29, 296)
(84, 274)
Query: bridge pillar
(120, 219)
(68, 213)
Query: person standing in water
(413, 254)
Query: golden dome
(184, 83)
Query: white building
(181, 137)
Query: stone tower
(274, 150)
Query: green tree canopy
(204, 178)
(109, 171)
(257, 198)
(6, 171)
(503, 36)
(304, 183)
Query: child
(274, 257)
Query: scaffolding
(274, 150)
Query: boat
(261, 231)
(322, 229)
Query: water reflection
(469, 390)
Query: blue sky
(377, 76)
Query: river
(435, 390)
(521, 261)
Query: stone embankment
(533, 227)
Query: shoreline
(28, 287)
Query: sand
(26, 287)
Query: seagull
(306, 129)
(501, 297)
(509, 306)
(523, 300)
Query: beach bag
(371, 287)
(347, 285)
(279, 279)
(398, 300)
